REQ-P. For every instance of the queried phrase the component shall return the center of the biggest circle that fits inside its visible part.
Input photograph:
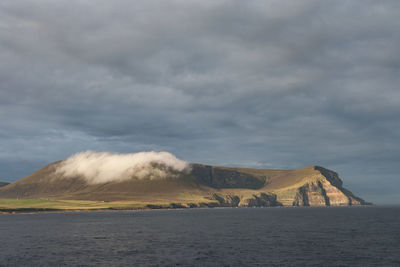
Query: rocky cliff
(310, 186)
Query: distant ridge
(3, 184)
(204, 185)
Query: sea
(307, 236)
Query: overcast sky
(266, 84)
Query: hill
(200, 186)
(3, 184)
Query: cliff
(310, 186)
(203, 186)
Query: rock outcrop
(326, 190)
(220, 177)
(260, 200)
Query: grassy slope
(44, 190)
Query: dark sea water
(342, 236)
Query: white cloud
(103, 167)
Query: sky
(265, 84)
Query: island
(199, 186)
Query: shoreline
(5, 211)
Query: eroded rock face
(261, 200)
(312, 194)
(334, 195)
(227, 200)
(326, 190)
(218, 177)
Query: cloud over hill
(102, 167)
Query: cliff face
(326, 190)
(311, 186)
(205, 186)
(220, 177)
(320, 194)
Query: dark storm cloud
(279, 84)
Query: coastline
(7, 211)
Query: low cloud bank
(102, 167)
